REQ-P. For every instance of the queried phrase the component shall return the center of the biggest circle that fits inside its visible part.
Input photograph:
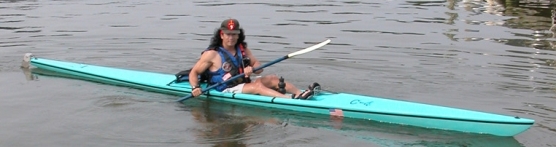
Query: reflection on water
(225, 124)
(28, 75)
(222, 126)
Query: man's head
(229, 32)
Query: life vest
(216, 77)
(230, 66)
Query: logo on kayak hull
(357, 101)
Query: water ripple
(12, 14)
(213, 5)
(428, 3)
(381, 32)
(115, 101)
(31, 31)
(279, 43)
(268, 4)
(107, 3)
(290, 24)
(267, 36)
(297, 11)
(10, 28)
(13, 45)
(177, 15)
(418, 8)
(123, 26)
(351, 13)
(324, 21)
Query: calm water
(495, 56)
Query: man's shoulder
(209, 52)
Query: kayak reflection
(226, 124)
(224, 127)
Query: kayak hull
(343, 104)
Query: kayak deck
(344, 104)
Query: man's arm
(254, 62)
(201, 66)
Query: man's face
(229, 39)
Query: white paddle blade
(311, 48)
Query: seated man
(224, 58)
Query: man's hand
(196, 92)
(248, 71)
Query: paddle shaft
(306, 50)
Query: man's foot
(304, 95)
(313, 89)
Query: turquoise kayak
(327, 103)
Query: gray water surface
(494, 56)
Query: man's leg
(271, 81)
(257, 87)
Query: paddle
(303, 51)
